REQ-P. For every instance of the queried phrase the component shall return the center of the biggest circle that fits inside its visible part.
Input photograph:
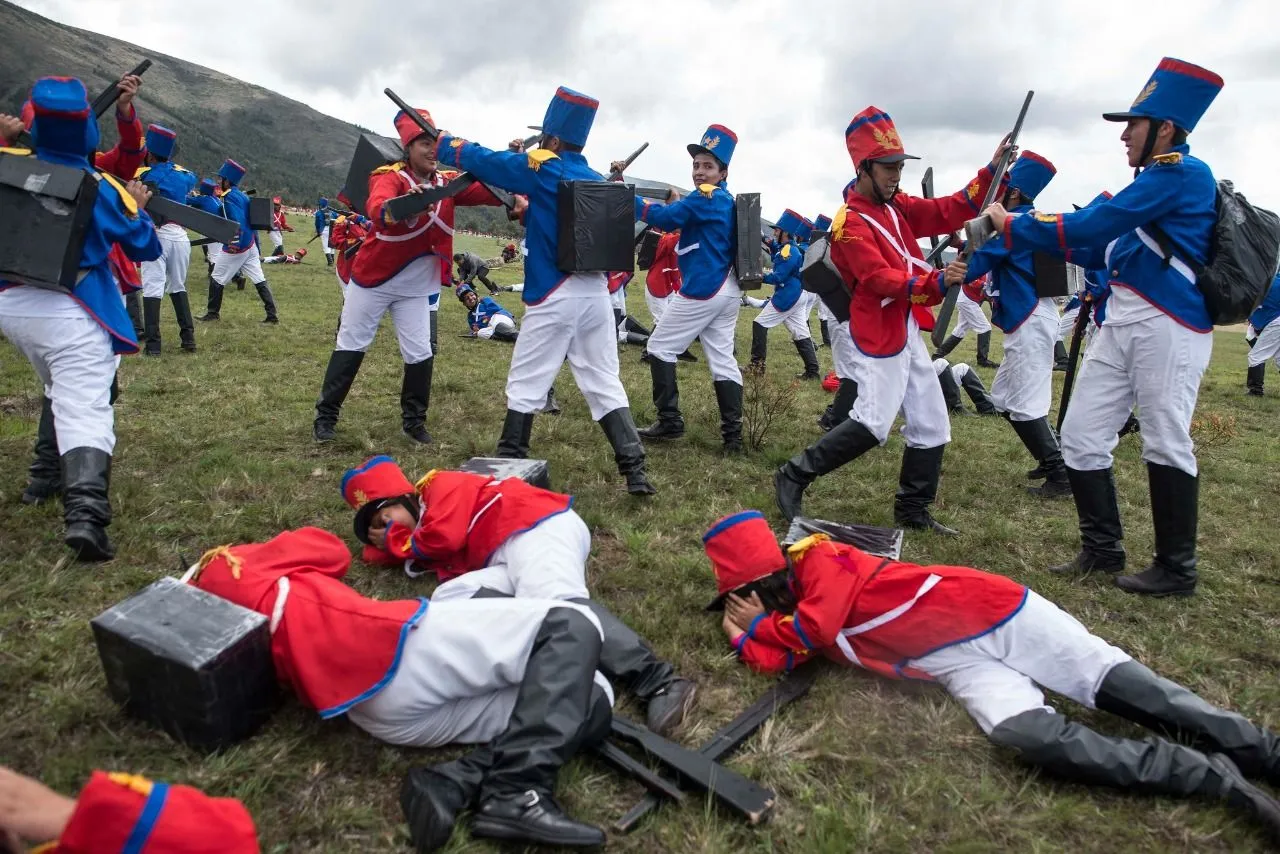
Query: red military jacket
(123, 161)
(663, 278)
(876, 251)
(343, 234)
(393, 246)
(335, 647)
(876, 613)
(464, 518)
(124, 812)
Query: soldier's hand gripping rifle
(106, 98)
(412, 204)
(939, 333)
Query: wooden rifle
(106, 98)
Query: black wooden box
(818, 275)
(47, 211)
(536, 472)
(595, 227)
(372, 151)
(195, 665)
(885, 542)
(260, 214)
(749, 262)
(1050, 275)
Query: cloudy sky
(952, 74)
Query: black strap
(1169, 249)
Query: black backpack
(1244, 251)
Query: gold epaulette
(1173, 158)
(797, 550)
(786, 252)
(539, 156)
(16, 152)
(398, 166)
(132, 782)
(837, 224)
(425, 480)
(130, 206)
(142, 170)
(707, 190)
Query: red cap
(871, 135)
(742, 549)
(367, 487)
(275, 200)
(408, 129)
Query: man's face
(777, 234)
(707, 170)
(887, 176)
(1134, 138)
(470, 300)
(421, 155)
(382, 520)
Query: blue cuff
(751, 629)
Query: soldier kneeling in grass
(993, 644)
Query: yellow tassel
(425, 480)
(220, 552)
(132, 782)
(837, 225)
(797, 550)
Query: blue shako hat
(570, 115)
(161, 141)
(1031, 174)
(822, 223)
(1178, 92)
(790, 222)
(718, 141)
(62, 124)
(232, 171)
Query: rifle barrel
(111, 94)
(426, 126)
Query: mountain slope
(289, 148)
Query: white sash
(842, 639)
(897, 244)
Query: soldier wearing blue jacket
(205, 198)
(1156, 342)
(242, 256)
(323, 219)
(168, 273)
(1023, 388)
(72, 337)
(789, 304)
(1264, 338)
(707, 304)
(485, 318)
(567, 314)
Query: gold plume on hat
(710, 142)
(1144, 94)
(888, 138)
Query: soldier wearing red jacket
(992, 643)
(399, 271)
(519, 674)
(874, 246)
(345, 233)
(510, 538)
(123, 812)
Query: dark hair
(774, 591)
(1179, 136)
(569, 146)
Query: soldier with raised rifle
(994, 645)
(874, 248)
(1157, 339)
(567, 315)
(399, 270)
(241, 257)
(1023, 388)
(72, 339)
(707, 305)
(168, 273)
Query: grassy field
(216, 448)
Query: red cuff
(400, 540)
(1062, 232)
(1008, 232)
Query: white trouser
(71, 354)
(1066, 325)
(1155, 363)
(657, 305)
(549, 561)
(1267, 346)
(824, 313)
(1000, 674)
(405, 296)
(277, 238)
(459, 673)
(712, 321)
(575, 324)
(843, 351)
(168, 273)
(618, 300)
(324, 239)
(498, 321)
(248, 263)
(1023, 386)
(793, 319)
(904, 382)
(969, 315)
